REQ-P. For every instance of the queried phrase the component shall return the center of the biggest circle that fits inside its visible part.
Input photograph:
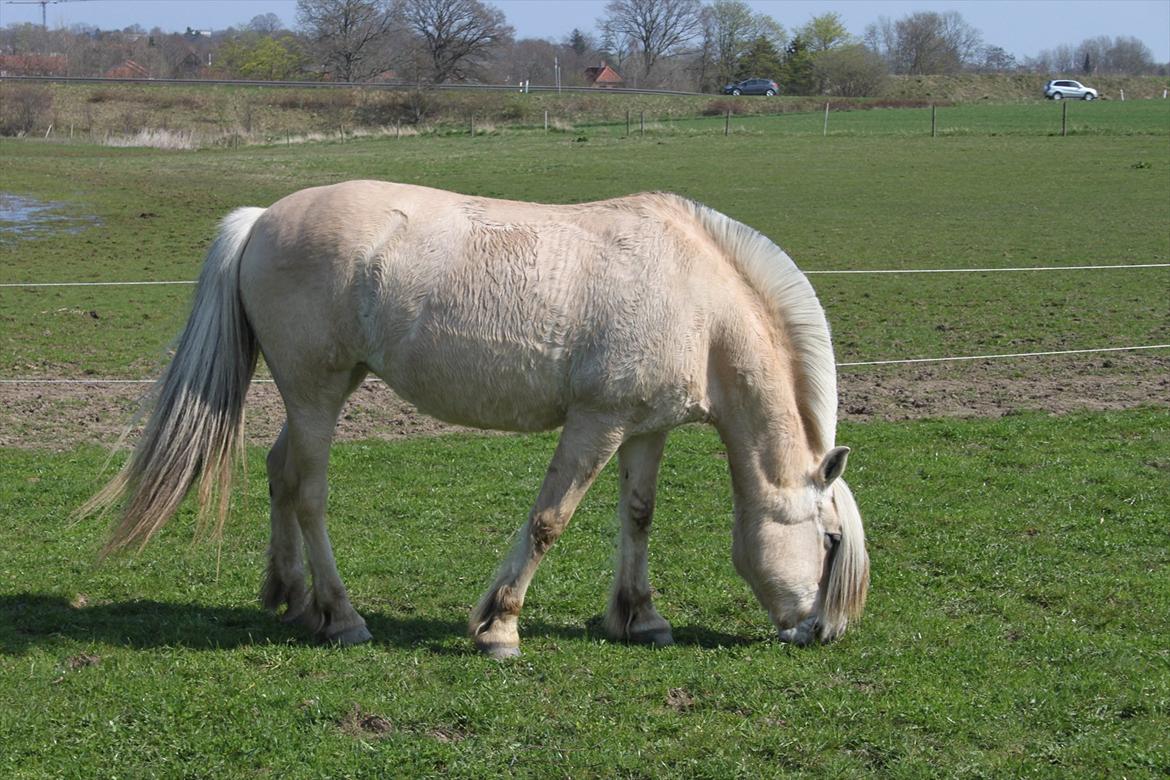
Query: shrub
(24, 107)
(412, 108)
(721, 107)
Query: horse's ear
(833, 465)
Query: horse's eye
(833, 539)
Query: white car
(1066, 88)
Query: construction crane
(44, 4)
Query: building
(603, 77)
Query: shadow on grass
(35, 619)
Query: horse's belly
(482, 384)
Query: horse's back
(490, 313)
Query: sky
(1022, 27)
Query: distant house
(129, 69)
(603, 77)
(33, 65)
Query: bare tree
(1100, 55)
(853, 70)
(925, 42)
(658, 27)
(265, 24)
(457, 35)
(348, 34)
(1130, 56)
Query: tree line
(675, 44)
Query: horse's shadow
(35, 619)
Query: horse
(615, 320)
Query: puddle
(24, 218)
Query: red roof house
(603, 77)
(127, 70)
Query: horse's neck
(755, 409)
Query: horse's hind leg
(631, 615)
(284, 583)
(311, 419)
(586, 445)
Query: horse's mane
(793, 302)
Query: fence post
(642, 122)
(933, 123)
(627, 122)
(727, 123)
(826, 118)
(546, 121)
(1064, 118)
(472, 121)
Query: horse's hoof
(293, 616)
(351, 636)
(500, 652)
(656, 638)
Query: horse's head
(804, 555)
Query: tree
(615, 46)
(262, 57)
(457, 35)
(925, 42)
(850, 71)
(730, 27)
(762, 59)
(797, 76)
(579, 42)
(657, 27)
(265, 24)
(1100, 55)
(1130, 56)
(348, 34)
(996, 59)
(825, 32)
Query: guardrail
(382, 85)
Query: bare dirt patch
(62, 417)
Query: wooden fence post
(642, 122)
(1064, 118)
(933, 124)
(627, 122)
(727, 123)
(826, 118)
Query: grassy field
(872, 199)
(1017, 625)
(1018, 622)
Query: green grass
(1017, 625)
(872, 200)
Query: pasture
(1018, 619)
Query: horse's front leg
(631, 615)
(586, 445)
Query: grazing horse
(617, 321)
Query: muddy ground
(61, 417)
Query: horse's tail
(195, 430)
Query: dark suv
(753, 87)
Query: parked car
(753, 87)
(1066, 88)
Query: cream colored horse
(618, 320)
